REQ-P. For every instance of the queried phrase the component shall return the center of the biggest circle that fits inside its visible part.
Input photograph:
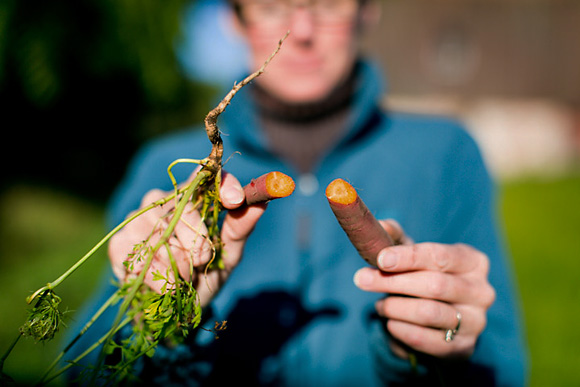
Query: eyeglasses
(276, 13)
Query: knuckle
(480, 326)
(484, 295)
(440, 257)
(482, 261)
(414, 257)
(489, 296)
(201, 253)
(151, 196)
(437, 255)
(438, 287)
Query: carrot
(272, 185)
(362, 228)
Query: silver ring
(450, 333)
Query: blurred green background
(84, 83)
(85, 79)
(43, 231)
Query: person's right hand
(188, 245)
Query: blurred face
(317, 55)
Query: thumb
(237, 227)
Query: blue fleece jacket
(294, 315)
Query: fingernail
(363, 278)
(387, 259)
(233, 195)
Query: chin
(303, 98)
(301, 91)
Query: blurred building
(510, 69)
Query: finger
(396, 232)
(161, 270)
(231, 191)
(236, 229)
(151, 196)
(458, 258)
(158, 265)
(426, 284)
(154, 282)
(130, 242)
(191, 234)
(418, 311)
(432, 341)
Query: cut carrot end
(279, 185)
(339, 191)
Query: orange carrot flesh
(362, 228)
(341, 192)
(279, 185)
(272, 185)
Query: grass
(42, 232)
(543, 228)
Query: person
(302, 308)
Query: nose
(302, 23)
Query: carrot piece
(272, 185)
(362, 228)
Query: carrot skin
(272, 185)
(360, 225)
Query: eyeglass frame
(238, 5)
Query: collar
(241, 126)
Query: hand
(429, 283)
(188, 244)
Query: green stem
(176, 277)
(81, 261)
(131, 361)
(201, 176)
(3, 359)
(88, 351)
(98, 314)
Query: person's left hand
(430, 287)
